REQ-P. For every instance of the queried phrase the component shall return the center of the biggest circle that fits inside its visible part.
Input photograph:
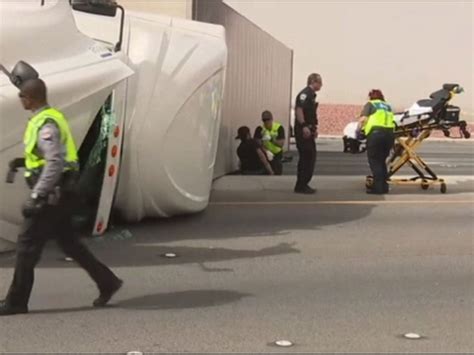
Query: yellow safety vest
(33, 162)
(273, 134)
(383, 117)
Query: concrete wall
(175, 8)
(406, 48)
(259, 76)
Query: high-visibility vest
(382, 117)
(272, 134)
(33, 162)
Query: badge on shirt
(303, 97)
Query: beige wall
(258, 78)
(406, 48)
(174, 8)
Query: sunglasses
(21, 96)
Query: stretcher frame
(425, 177)
(408, 140)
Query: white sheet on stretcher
(415, 113)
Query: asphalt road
(336, 272)
(445, 158)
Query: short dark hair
(243, 132)
(314, 78)
(267, 115)
(34, 89)
(376, 94)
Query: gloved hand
(13, 166)
(16, 163)
(266, 138)
(33, 205)
(360, 135)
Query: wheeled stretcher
(416, 124)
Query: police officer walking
(272, 135)
(306, 131)
(377, 123)
(51, 171)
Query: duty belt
(69, 166)
(32, 175)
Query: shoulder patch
(303, 97)
(46, 133)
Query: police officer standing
(377, 123)
(306, 131)
(272, 135)
(51, 170)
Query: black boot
(374, 192)
(8, 310)
(106, 295)
(306, 190)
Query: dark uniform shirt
(306, 100)
(249, 159)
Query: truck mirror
(104, 8)
(96, 7)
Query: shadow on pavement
(66, 310)
(162, 301)
(142, 246)
(129, 254)
(183, 300)
(154, 254)
(229, 222)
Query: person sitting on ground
(272, 136)
(253, 160)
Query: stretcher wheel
(425, 185)
(443, 188)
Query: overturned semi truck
(143, 96)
